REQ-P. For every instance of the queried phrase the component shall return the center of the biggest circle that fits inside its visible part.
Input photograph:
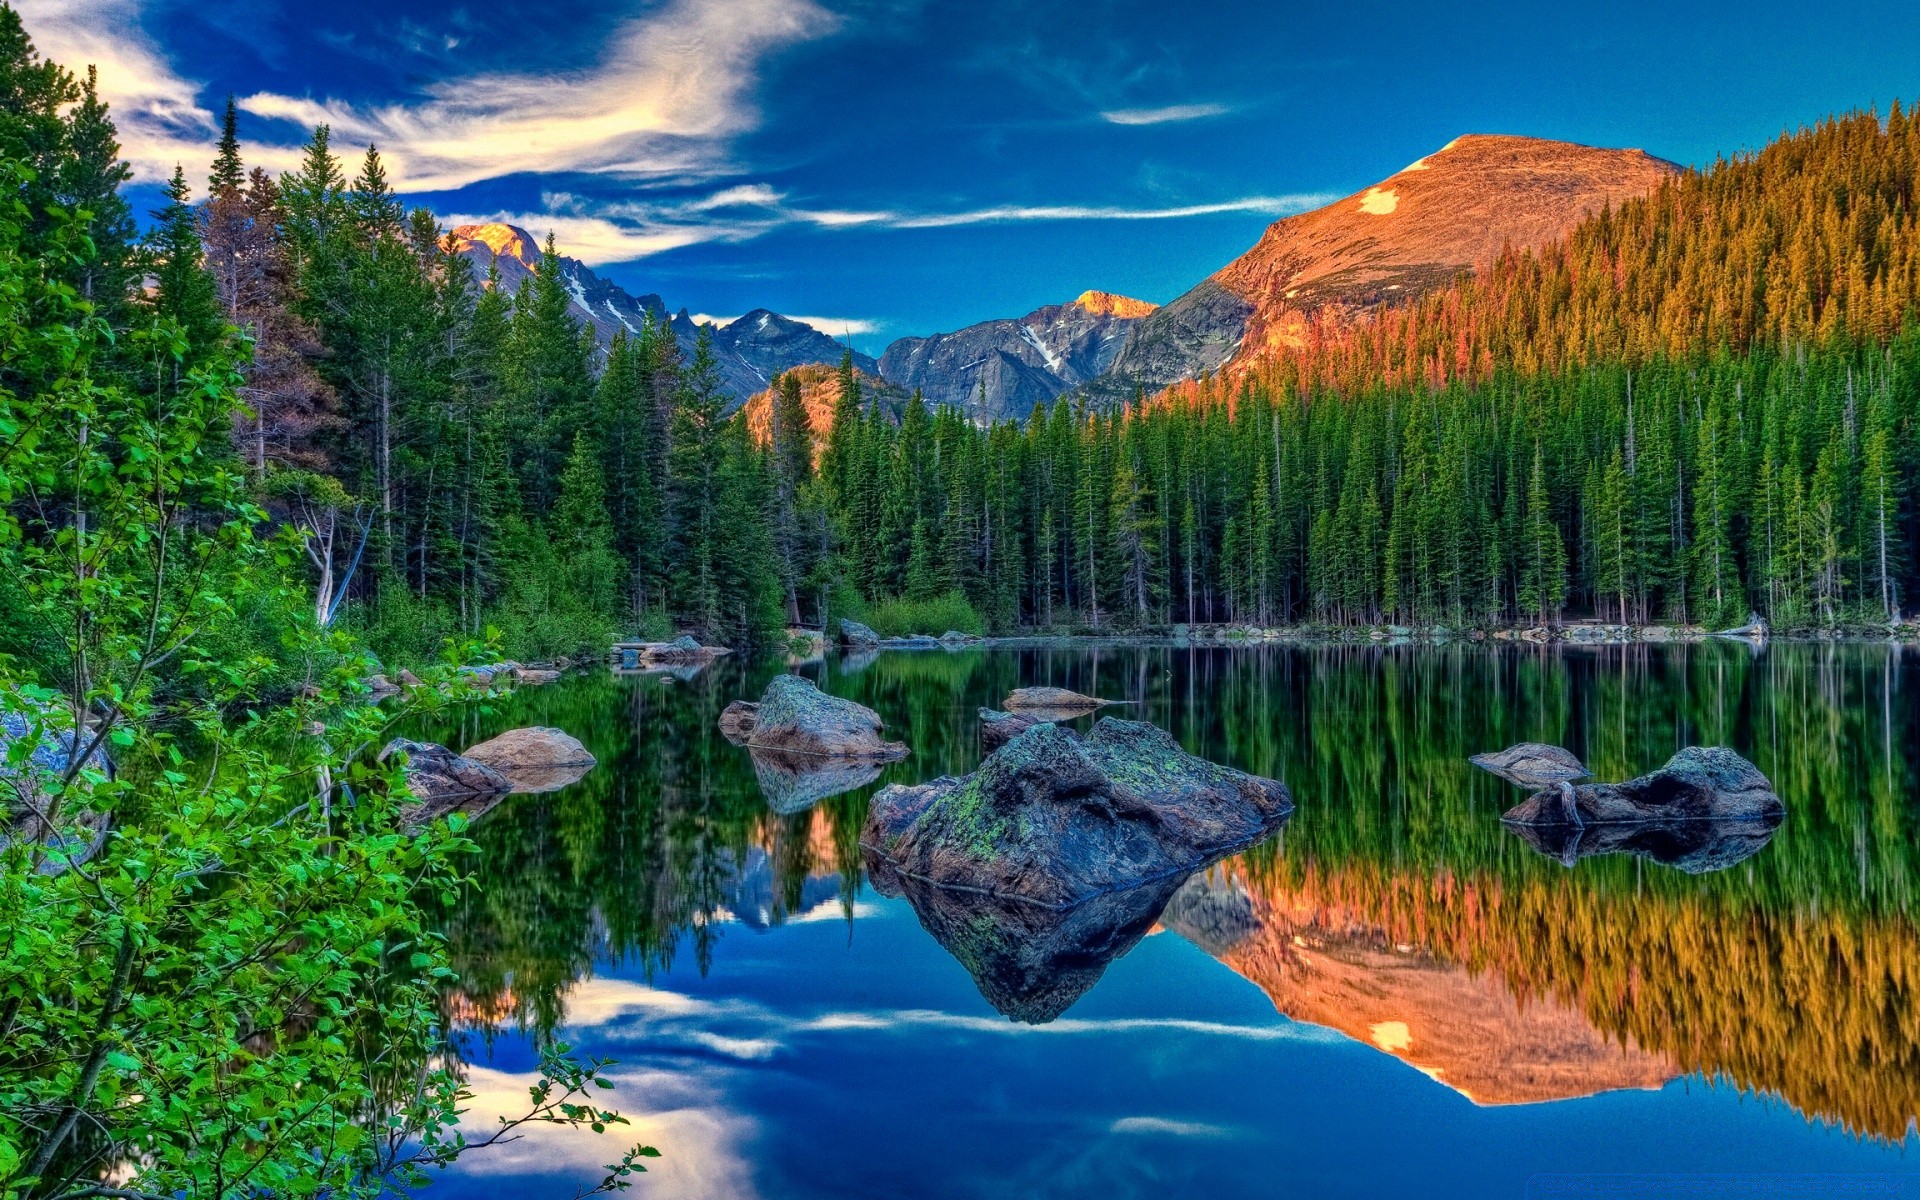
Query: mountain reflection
(1395, 908)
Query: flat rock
(1532, 764)
(796, 717)
(1054, 819)
(534, 675)
(535, 759)
(1051, 699)
(1697, 784)
(681, 651)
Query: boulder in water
(680, 652)
(1054, 819)
(953, 638)
(857, 636)
(534, 675)
(1053, 700)
(796, 717)
(535, 759)
(443, 782)
(1701, 783)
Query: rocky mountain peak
(1413, 231)
(1107, 304)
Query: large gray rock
(443, 782)
(1697, 784)
(1054, 819)
(856, 635)
(535, 759)
(798, 718)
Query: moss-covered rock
(1053, 819)
(796, 717)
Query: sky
(885, 169)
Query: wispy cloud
(669, 90)
(156, 110)
(624, 230)
(1167, 1127)
(1162, 116)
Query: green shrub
(900, 617)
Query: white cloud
(156, 111)
(623, 230)
(1162, 116)
(669, 90)
(1168, 1128)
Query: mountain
(1410, 233)
(1018, 363)
(819, 392)
(750, 350)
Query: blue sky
(897, 168)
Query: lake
(1396, 995)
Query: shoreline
(1907, 634)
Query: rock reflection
(793, 783)
(1696, 847)
(1030, 962)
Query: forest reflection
(1394, 907)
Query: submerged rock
(796, 717)
(856, 635)
(796, 782)
(1052, 699)
(998, 728)
(535, 759)
(443, 782)
(913, 641)
(1697, 784)
(1054, 819)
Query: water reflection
(1396, 908)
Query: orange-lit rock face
(1324, 964)
(1106, 304)
(1451, 211)
(507, 241)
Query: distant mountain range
(750, 350)
(1413, 231)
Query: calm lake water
(1395, 996)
